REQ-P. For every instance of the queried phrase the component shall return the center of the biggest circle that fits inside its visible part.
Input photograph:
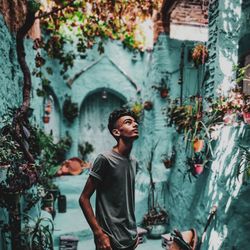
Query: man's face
(127, 128)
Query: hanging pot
(164, 92)
(198, 145)
(198, 169)
(46, 119)
(229, 118)
(148, 105)
(48, 108)
(246, 117)
(167, 163)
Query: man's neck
(123, 148)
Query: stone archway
(94, 113)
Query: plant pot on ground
(156, 219)
(48, 204)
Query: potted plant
(163, 89)
(148, 105)
(156, 219)
(243, 164)
(70, 109)
(46, 119)
(199, 54)
(137, 108)
(48, 108)
(85, 149)
(196, 164)
(39, 234)
(246, 113)
(169, 159)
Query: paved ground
(73, 222)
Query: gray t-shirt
(115, 199)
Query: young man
(113, 178)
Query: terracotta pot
(148, 105)
(167, 163)
(46, 119)
(48, 108)
(198, 169)
(198, 145)
(246, 117)
(164, 93)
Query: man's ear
(116, 132)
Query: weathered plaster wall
(11, 79)
(10, 75)
(189, 203)
(114, 71)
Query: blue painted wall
(188, 203)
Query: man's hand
(102, 241)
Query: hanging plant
(169, 159)
(137, 108)
(148, 105)
(85, 149)
(198, 144)
(246, 112)
(196, 165)
(199, 54)
(70, 109)
(162, 88)
(48, 108)
(46, 119)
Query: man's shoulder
(104, 156)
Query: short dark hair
(116, 114)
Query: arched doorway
(94, 115)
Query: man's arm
(101, 239)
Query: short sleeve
(99, 167)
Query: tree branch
(20, 116)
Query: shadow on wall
(225, 190)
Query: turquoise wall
(11, 82)
(117, 72)
(10, 75)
